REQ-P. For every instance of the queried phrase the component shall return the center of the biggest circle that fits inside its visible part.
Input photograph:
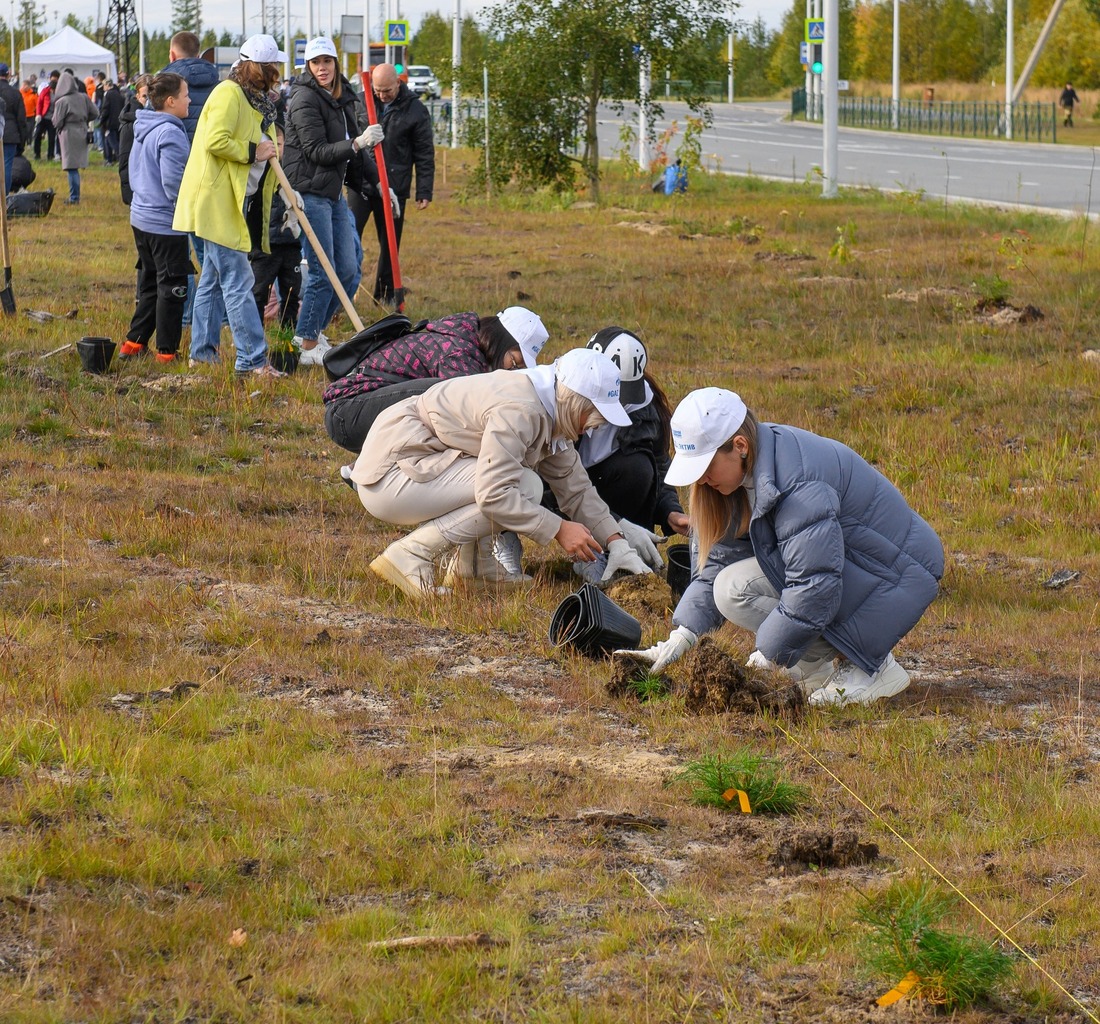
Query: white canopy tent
(67, 49)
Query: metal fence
(1031, 122)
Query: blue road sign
(299, 53)
(815, 30)
(396, 33)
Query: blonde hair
(574, 413)
(712, 512)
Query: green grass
(352, 767)
(715, 781)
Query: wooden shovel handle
(322, 256)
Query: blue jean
(9, 159)
(189, 304)
(332, 224)
(225, 286)
(74, 186)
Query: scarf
(264, 105)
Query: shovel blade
(7, 300)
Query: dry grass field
(231, 758)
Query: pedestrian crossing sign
(396, 33)
(815, 30)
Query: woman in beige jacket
(467, 460)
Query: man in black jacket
(16, 133)
(110, 112)
(408, 144)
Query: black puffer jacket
(408, 143)
(319, 131)
(125, 143)
(646, 433)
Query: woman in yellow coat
(234, 140)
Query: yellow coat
(212, 193)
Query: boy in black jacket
(283, 263)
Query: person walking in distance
(43, 122)
(408, 144)
(1066, 101)
(71, 111)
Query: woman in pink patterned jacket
(453, 346)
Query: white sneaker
(592, 572)
(508, 551)
(312, 356)
(849, 684)
(811, 675)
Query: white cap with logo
(704, 421)
(262, 49)
(527, 329)
(322, 46)
(595, 377)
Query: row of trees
(941, 40)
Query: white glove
(395, 204)
(621, 557)
(370, 138)
(290, 219)
(757, 660)
(644, 542)
(679, 642)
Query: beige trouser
(744, 595)
(448, 500)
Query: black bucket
(679, 569)
(594, 624)
(95, 354)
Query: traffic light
(399, 59)
(816, 52)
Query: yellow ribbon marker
(742, 797)
(900, 990)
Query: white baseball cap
(594, 376)
(322, 46)
(262, 49)
(628, 353)
(527, 330)
(704, 421)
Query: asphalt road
(754, 139)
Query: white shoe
(409, 563)
(811, 675)
(312, 356)
(849, 684)
(592, 572)
(480, 562)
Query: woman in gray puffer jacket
(802, 542)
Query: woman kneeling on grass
(802, 542)
(469, 456)
(452, 346)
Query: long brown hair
(254, 77)
(712, 513)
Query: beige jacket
(498, 419)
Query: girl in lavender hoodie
(156, 168)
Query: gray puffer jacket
(850, 559)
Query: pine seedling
(938, 967)
(714, 778)
(649, 686)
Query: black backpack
(340, 360)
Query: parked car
(423, 82)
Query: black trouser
(45, 127)
(348, 420)
(110, 145)
(362, 209)
(627, 483)
(282, 264)
(162, 267)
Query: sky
(226, 14)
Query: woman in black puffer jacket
(326, 126)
